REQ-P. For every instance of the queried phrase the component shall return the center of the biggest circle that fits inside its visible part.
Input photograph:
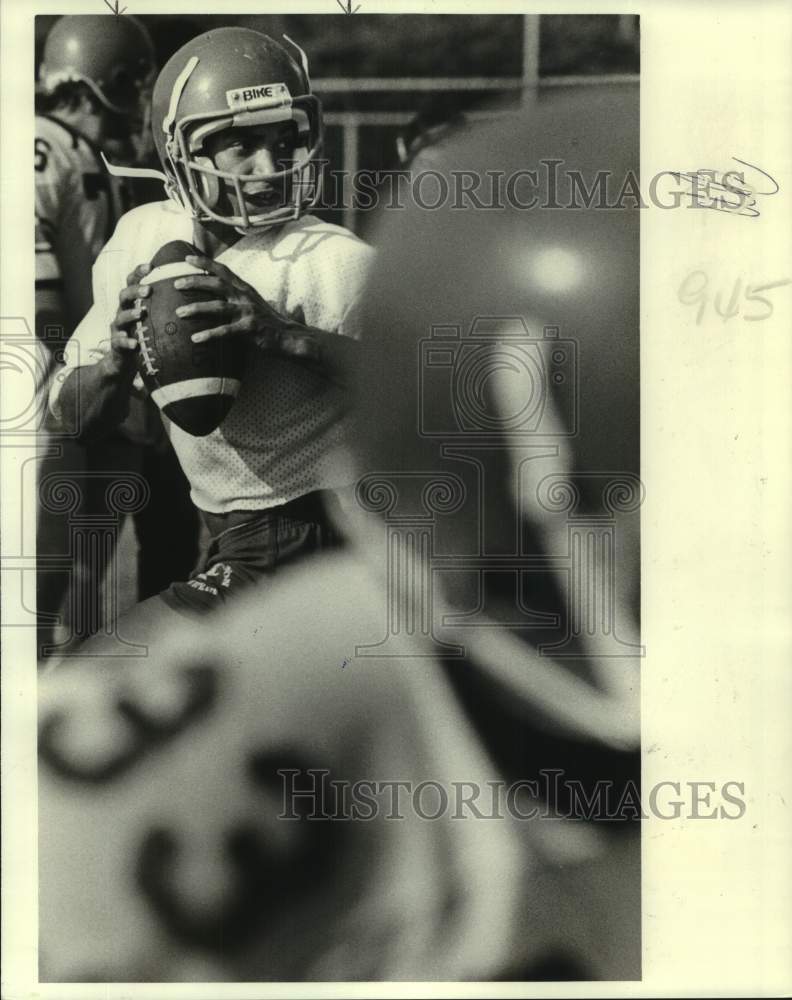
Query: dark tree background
(407, 45)
(420, 45)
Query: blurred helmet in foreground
(498, 396)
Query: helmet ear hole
(208, 184)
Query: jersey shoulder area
(59, 134)
(65, 141)
(58, 148)
(323, 255)
(313, 224)
(161, 214)
(311, 236)
(146, 228)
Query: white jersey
(406, 899)
(281, 437)
(77, 207)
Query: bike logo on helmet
(264, 95)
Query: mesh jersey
(280, 439)
(383, 900)
(77, 206)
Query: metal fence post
(530, 67)
(350, 167)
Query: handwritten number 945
(695, 291)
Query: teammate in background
(93, 95)
(94, 82)
(238, 134)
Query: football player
(94, 85)
(239, 134)
(93, 95)
(167, 779)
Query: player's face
(256, 149)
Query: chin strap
(117, 171)
(170, 188)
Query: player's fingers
(213, 266)
(218, 331)
(126, 317)
(209, 282)
(213, 308)
(221, 271)
(133, 292)
(140, 272)
(123, 342)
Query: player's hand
(237, 307)
(131, 307)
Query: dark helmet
(500, 355)
(112, 56)
(234, 77)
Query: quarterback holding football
(230, 287)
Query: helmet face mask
(207, 88)
(205, 181)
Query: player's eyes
(283, 147)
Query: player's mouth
(263, 200)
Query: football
(194, 385)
